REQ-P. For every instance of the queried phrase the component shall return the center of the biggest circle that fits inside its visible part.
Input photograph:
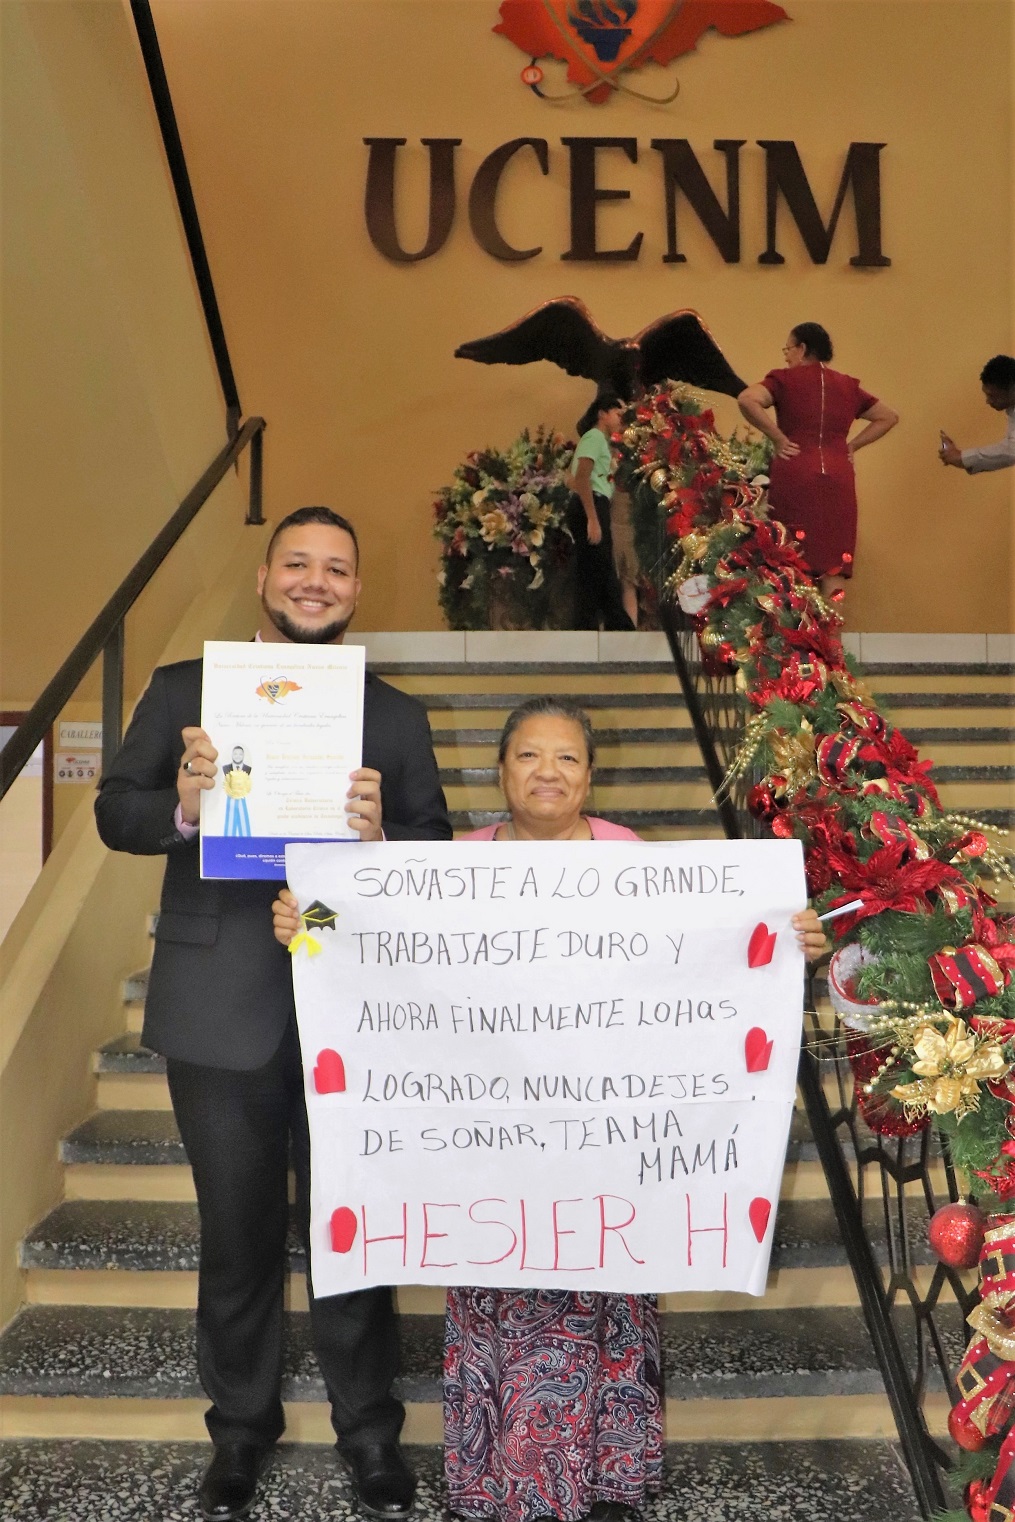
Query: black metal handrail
(165, 112)
(718, 715)
(105, 634)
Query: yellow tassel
(304, 938)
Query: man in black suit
(220, 1008)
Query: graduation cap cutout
(319, 915)
(316, 916)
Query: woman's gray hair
(550, 708)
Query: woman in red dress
(813, 490)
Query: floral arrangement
(923, 968)
(505, 544)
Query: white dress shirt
(993, 456)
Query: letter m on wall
(785, 175)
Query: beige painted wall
(81, 930)
(112, 407)
(350, 357)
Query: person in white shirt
(998, 381)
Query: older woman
(813, 490)
(553, 1399)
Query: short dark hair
(551, 708)
(815, 339)
(304, 515)
(999, 371)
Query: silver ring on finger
(188, 766)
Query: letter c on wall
(483, 197)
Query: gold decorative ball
(657, 480)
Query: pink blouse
(601, 829)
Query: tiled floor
(835, 1481)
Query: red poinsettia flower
(887, 880)
(822, 643)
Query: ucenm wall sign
(682, 175)
(601, 41)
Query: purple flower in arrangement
(520, 546)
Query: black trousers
(597, 595)
(237, 1129)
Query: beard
(327, 634)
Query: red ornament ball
(956, 1234)
(964, 1432)
(977, 1500)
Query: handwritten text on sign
(566, 1065)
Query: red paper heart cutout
(761, 946)
(759, 1213)
(343, 1229)
(757, 1050)
(329, 1074)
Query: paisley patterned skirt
(552, 1402)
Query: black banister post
(163, 100)
(112, 695)
(255, 512)
(926, 1480)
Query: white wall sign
(77, 766)
(550, 1065)
(78, 735)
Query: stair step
(604, 737)
(963, 698)
(720, 1480)
(107, 1351)
(436, 702)
(125, 1054)
(149, 1138)
(137, 1154)
(163, 1236)
(110, 1351)
(923, 737)
(612, 776)
(667, 772)
(939, 668)
(656, 676)
(145, 1138)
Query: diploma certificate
(287, 722)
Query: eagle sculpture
(675, 347)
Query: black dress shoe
(229, 1486)
(383, 1482)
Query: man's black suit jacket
(220, 992)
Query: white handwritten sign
(566, 1065)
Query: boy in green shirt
(597, 589)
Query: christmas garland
(923, 964)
